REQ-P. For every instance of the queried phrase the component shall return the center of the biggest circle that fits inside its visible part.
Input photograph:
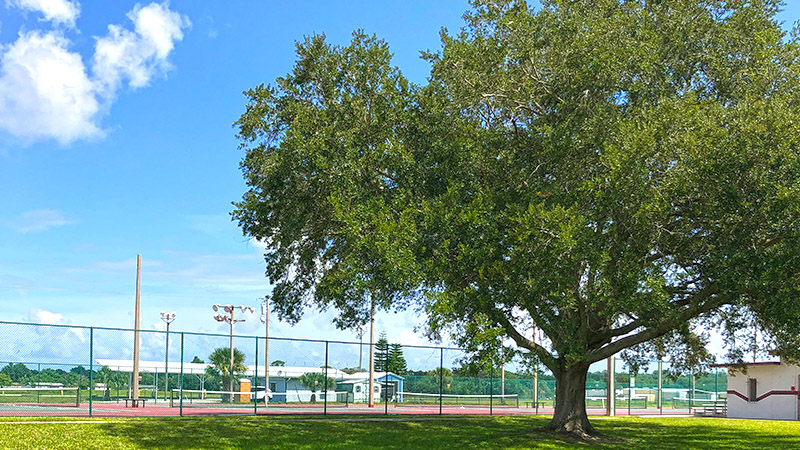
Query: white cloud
(42, 316)
(140, 54)
(47, 92)
(259, 244)
(44, 90)
(59, 11)
(410, 337)
(41, 220)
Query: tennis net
(41, 396)
(211, 398)
(458, 400)
(235, 398)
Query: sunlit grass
(395, 433)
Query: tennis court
(94, 376)
(67, 402)
(106, 410)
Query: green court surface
(350, 433)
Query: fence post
(386, 383)
(536, 387)
(255, 384)
(325, 383)
(491, 387)
(441, 378)
(660, 387)
(630, 391)
(38, 380)
(180, 408)
(91, 367)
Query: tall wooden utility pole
(371, 353)
(611, 407)
(660, 382)
(136, 313)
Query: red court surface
(101, 409)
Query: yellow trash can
(244, 390)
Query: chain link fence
(64, 370)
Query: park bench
(531, 404)
(135, 402)
(717, 408)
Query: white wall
(769, 377)
(361, 396)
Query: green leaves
(322, 163)
(315, 381)
(607, 171)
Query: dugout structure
(764, 390)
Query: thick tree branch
(625, 329)
(702, 302)
(543, 354)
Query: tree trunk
(570, 413)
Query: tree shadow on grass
(452, 433)
(239, 434)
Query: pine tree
(381, 353)
(397, 363)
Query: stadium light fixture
(168, 318)
(230, 319)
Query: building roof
(296, 372)
(758, 363)
(126, 365)
(359, 376)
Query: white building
(769, 390)
(357, 385)
(284, 382)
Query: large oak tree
(620, 174)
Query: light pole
(265, 319)
(167, 317)
(360, 332)
(231, 320)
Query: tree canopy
(621, 175)
(220, 361)
(382, 353)
(389, 357)
(397, 362)
(317, 380)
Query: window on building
(272, 386)
(358, 389)
(752, 389)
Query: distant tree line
(464, 381)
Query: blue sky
(154, 170)
(116, 139)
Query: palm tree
(220, 360)
(314, 380)
(107, 377)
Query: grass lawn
(395, 433)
